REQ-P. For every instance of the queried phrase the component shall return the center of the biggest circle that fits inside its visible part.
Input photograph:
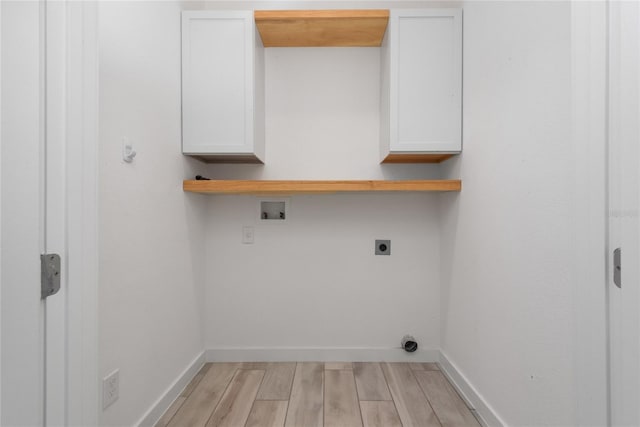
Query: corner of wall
(485, 414)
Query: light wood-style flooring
(309, 394)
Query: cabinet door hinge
(50, 274)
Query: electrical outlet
(383, 247)
(110, 388)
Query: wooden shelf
(321, 28)
(316, 187)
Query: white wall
(508, 239)
(493, 288)
(151, 234)
(314, 281)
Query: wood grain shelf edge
(322, 28)
(317, 187)
(270, 15)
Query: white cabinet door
(222, 86)
(422, 82)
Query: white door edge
(0, 219)
(22, 234)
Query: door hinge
(50, 274)
(617, 267)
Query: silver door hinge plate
(50, 274)
(617, 267)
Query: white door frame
(83, 391)
(72, 393)
(54, 74)
(0, 216)
(624, 187)
(72, 97)
(589, 142)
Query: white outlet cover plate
(110, 388)
(247, 235)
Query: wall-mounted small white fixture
(128, 152)
(110, 388)
(247, 235)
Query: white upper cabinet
(421, 98)
(222, 87)
(223, 77)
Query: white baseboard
(151, 417)
(485, 413)
(319, 354)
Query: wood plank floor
(309, 394)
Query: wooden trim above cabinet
(228, 158)
(322, 28)
(417, 157)
(316, 187)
